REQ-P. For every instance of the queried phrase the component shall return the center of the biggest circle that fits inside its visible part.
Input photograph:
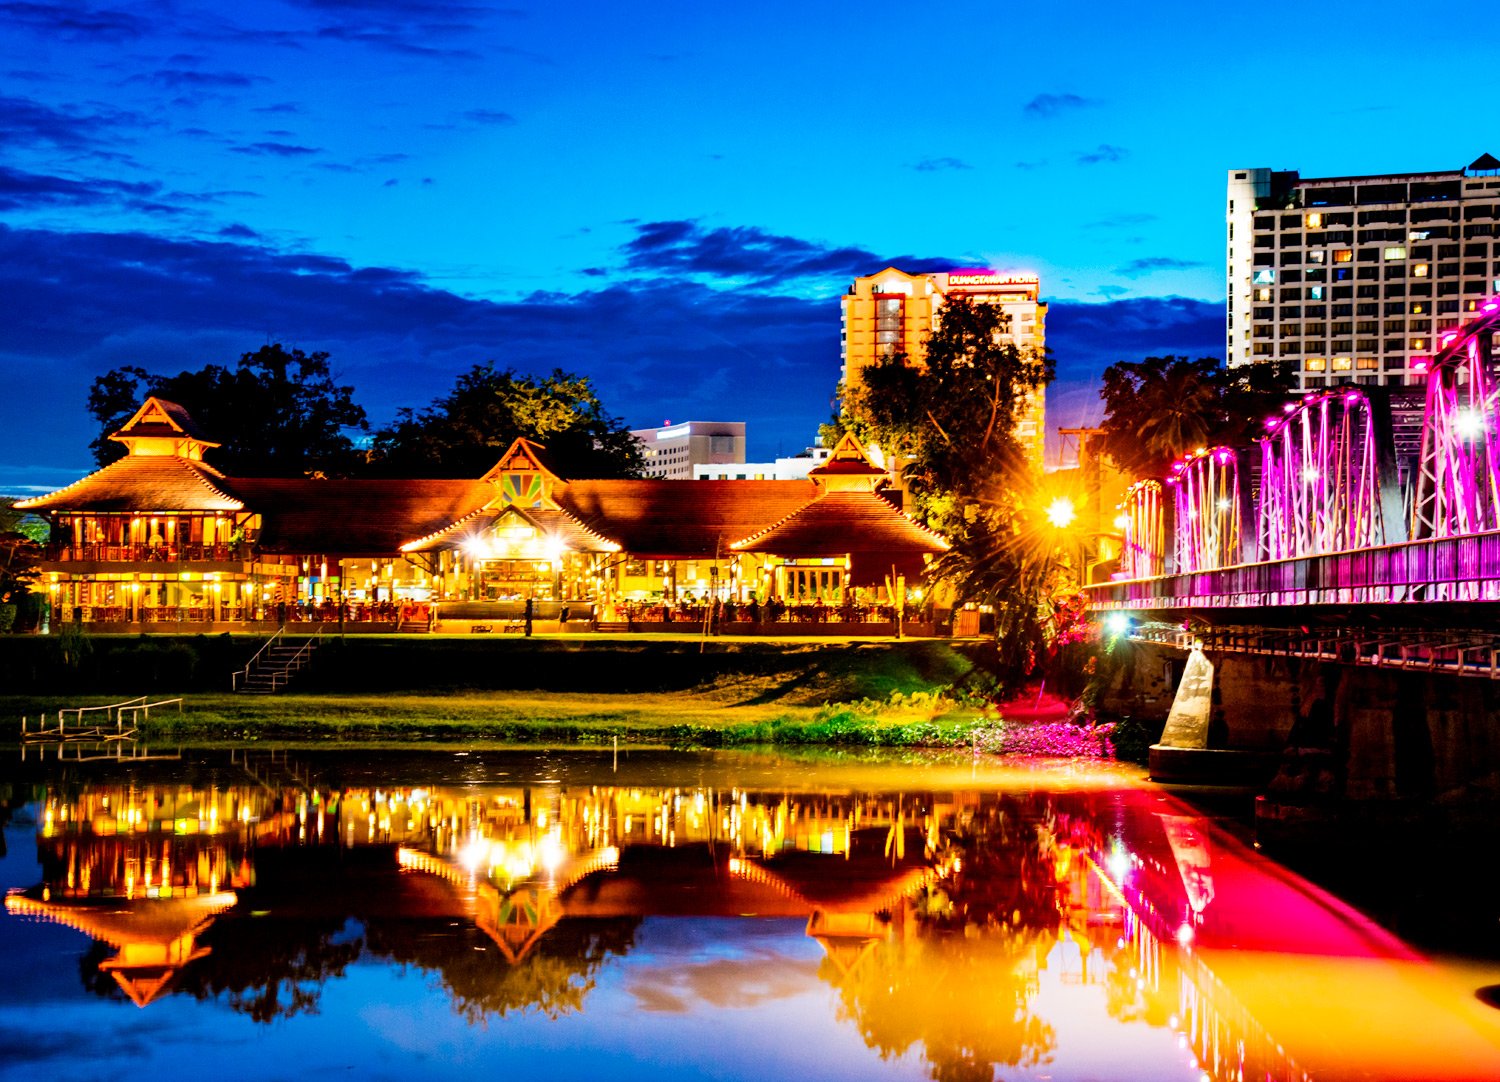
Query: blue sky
(668, 198)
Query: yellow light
(1060, 512)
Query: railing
(234, 678)
(1414, 572)
(298, 660)
(102, 552)
(143, 710)
(165, 614)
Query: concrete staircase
(275, 664)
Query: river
(587, 914)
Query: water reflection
(976, 929)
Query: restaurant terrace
(161, 540)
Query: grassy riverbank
(703, 719)
(673, 691)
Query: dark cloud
(935, 165)
(25, 122)
(396, 39)
(32, 191)
(413, 9)
(1104, 152)
(1029, 166)
(280, 107)
(276, 150)
(1121, 221)
(493, 117)
(74, 22)
(659, 341)
(180, 78)
(1046, 106)
(656, 348)
(749, 254)
(1151, 264)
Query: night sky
(668, 198)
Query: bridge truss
(1458, 474)
(1328, 477)
(1144, 529)
(1207, 510)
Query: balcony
(101, 552)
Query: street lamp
(1061, 512)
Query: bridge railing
(1413, 572)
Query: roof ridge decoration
(520, 479)
(497, 512)
(847, 468)
(160, 428)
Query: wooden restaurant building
(161, 539)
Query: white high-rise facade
(1352, 278)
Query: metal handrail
(234, 678)
(135, 711)
(79, 711)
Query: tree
(1160, 408)
(277, 413)
(950, 423)
(463, 433)
(20, 549)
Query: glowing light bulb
(1060, 512)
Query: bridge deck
(1437, 570)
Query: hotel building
(894, 312)
(672, 451)
(1351, 278)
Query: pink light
(1489, 307)
(1289, 407)
(1185, 934)
(1352, 397)
(1223, 456)
(1449, 337)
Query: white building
(672, 451)
(1352, 278)
(795, 468)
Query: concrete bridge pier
(1355, 745)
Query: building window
(1264, 277)
(1343, 255)
(1365, 364)
(1419, 270)
(1314, 220)
(1341, 364)
(1394, 252)
(1316, 364)
(889, 314)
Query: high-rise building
(1352, 278)
(672, 451)
(894, 312)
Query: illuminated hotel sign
(989, 278)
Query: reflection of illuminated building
(964, 925)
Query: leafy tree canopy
(20, 549)
(951, 422)
(952, 419)
(277, 413)
(1159, 408)
(463, 433)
